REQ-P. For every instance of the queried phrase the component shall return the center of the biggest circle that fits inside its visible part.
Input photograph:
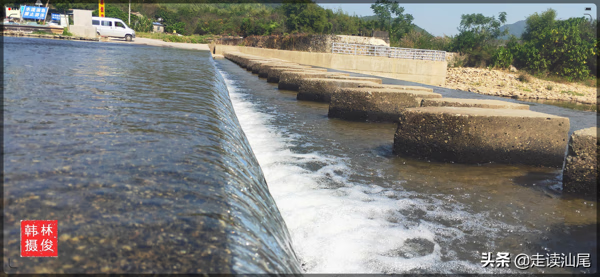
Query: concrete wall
(425, 72)
(82, 18)
(82, 24)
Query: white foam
(342, 227)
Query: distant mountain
(419, 29)
(374, 17)
(517, 29)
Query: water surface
(136, 151)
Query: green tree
(305, 16)
(477, 31)
(478, 35)
(557, 47)
(391, 17)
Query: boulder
(478, 135)
(375, 104)
(580, 175)
(475, 103)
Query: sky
(444, 19)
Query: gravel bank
(502, 83)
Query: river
(149, 156)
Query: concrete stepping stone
(475, 103)
(273, 74)
(291, 80)
(367, 79)
(375, 104)
(255, 65)
(252, 62)
(478, 135)
(321, 89)
(580, 175)
(263, 72)
(244, 61)
(400, 87)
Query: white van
(112, 27)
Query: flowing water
(352, 206)
(137, 153)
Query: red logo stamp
(39, 238)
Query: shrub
(573, 93)
(549, 87)
(524, 77)
(66, 32)
(502, 58)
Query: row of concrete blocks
(447, 130)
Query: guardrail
(390, 52)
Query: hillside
(374, 17)
(516, 29)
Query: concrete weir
(375, 104)
(580, 175)
(321, 89)
(291, 80)
(474, 103)
(478, 135)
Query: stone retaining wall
(317, 43)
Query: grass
(175, 38)
(573, 93)
(37, 32)
(502, 84)
(590, 82)
(526, 89)
(66, 32)
(549, 87)
(478, 83)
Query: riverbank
(139, 41)
(157, 42)
(507, 84)
(46, 36)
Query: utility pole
(129, 16)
